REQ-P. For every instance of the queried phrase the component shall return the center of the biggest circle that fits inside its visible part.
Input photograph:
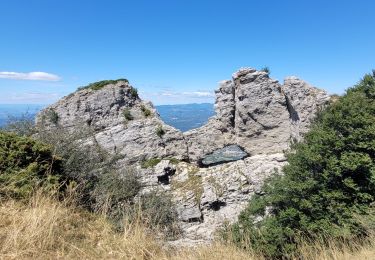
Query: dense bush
(115, 191)
(102, 188)
(328, 183)
(81, 162)
(27, 165)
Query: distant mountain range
(13, 111)
(183, 117)
(187, 116)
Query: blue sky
(177, 51)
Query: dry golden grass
(338, 251)
(48, 229)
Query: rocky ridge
(253, 111)
(120, 121)
(257, 113)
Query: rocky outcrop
(119, 121)
(257, 113)
(253, 112)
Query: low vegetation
(160, 131)
(266, 69)
(127, 114)
(134, 92)
(26, 165)
(52, 116)
(150, 163)
(100, 84)
(146, 112)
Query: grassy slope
(48, 229)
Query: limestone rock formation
(120, 122)
(257, 113)
(253, 111)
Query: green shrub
(52, 116)
(114, 191)
(100, 84)
(80, 162)
(27, 165)
(127, 114)
(266, 69)
(146, 112)
(134, 92)
(328, 183)
(150, 163)
(173, 160)
(158, 211)
(160, 131)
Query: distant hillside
(8, 111)
(187, 116)
(182, 117)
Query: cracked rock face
(257, 113)
(133, 137)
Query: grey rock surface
(210, 197)
(102, 111)
(227, 154)
(257, 113)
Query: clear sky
(176, 51)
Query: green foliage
(100, 84)
(146, 112)
(328, 183)
(134, 92)
(26, 165)
(173, 160)
(115, 190)
(82, 163)
(160, 131)
(127, 114)
(266, 69)
(150, 163)
(159, 212)
(52, 116)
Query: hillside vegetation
(327, 190)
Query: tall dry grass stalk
(334, 250)
(45, 228)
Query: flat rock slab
(227, 154)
